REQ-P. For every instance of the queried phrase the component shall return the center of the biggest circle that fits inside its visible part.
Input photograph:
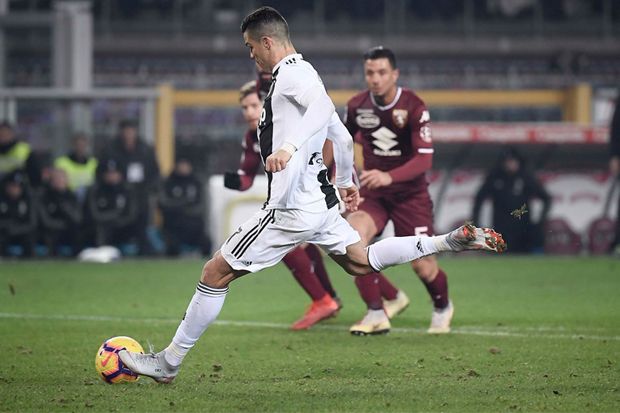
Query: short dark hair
(265, 21)
(380, 52)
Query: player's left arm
(343, 156)
(311, 95)
(243, 178)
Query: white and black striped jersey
(303, 184)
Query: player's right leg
(201, 312)
(250, 249)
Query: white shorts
(263, 240)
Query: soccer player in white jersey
(301, 203)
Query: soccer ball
(108, 363)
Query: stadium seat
(601, 235)
(561, 239)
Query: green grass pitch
(530, 334)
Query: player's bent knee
(356, 260)
(214, 274)
(358, 268)
(352, 265)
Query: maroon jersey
(396, 138)
(250, 159)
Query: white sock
(376, 316)
(202, 310)
(399, 250)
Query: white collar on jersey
(391, 105)
(290, 58)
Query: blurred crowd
(59, 207)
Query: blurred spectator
(41, 177)
(510, 186)
(614, 166)
(18, 220)
(136, 161)
(112, 207)
(79, 165)
(60, 214)
(181, 201)
(511, 8)
(251, 106)
(15, 154)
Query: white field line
(501, 331)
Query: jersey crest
(400, 116)
(425, 134)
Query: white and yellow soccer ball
(109, 365)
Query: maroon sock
(438, 290)
(314, 253)
(300, 265)
(368, 286)
(388, 290)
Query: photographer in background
(510, 185)
(18, 219)
(136, 161)
(111, 207)
(181, 201)
(60, 215)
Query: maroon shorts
(412, 215)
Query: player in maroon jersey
(391, 124)
(305, 262)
